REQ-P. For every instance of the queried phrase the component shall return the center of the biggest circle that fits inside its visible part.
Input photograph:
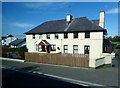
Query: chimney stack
(68, 18)
(102, 19)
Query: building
(6, 40)
(18, 43)
(70, 35)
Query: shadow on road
(19, 79)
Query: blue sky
(20, 17)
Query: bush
(21, 51)
(117, 47)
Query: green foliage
(117, 47)
(21, 51)
(116, 39)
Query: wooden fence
(78, 60)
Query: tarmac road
(19, 79)
(104, 76)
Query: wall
(95, 42)
(108, 57)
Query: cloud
(44, 5)
(22, 25)
(112, 11)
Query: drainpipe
(61, 45)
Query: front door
(43, 48)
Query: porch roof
(44, 41)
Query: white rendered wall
(95, 42)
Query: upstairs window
(40, 36)
(76, 35)
(56, 36)
(33, 36)
(87, 34)
(65, 35)
(48, 36)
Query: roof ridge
(54, 20)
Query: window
(75, 49)
(53, 47)
(48, 36)
(76, 35)
(65, 35)
(56, 36)
(86, 49)
(4, 40)
(40, 36)
(65, 48)
(87, 34)
(34, 36)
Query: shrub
(21, 51)
(117, 47)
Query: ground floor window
(75, 49)
(65, 48)
(53, 47)
(86, 49)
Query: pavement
(103, 76)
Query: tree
(109, 38)
(116, 39)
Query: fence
(78, 60)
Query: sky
(20, 17)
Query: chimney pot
(68, 18)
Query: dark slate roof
(95, 22)
(17, 42)
(81, 24)
(10, 36)
(3, 37)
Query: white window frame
(65, 48)
(48, 36)
(65, 35)
(53, 47)
(56, 36)
(75, 48)
(87, 34)
(40, 36)
(33, 36)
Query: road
(104, 76)
(15, 79)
